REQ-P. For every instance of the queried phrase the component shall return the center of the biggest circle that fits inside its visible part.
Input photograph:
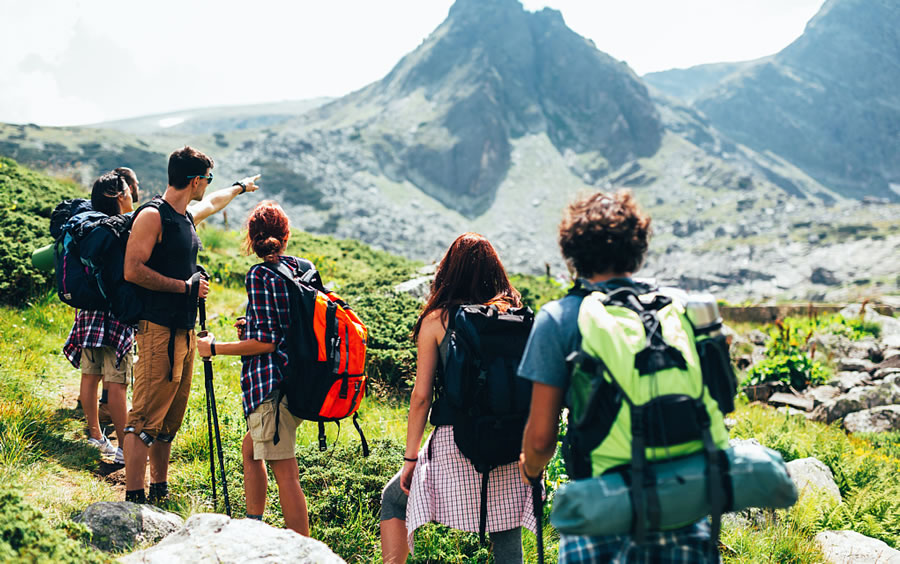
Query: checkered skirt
(446, 489)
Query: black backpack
(324, 378)
(478, 391)
(90, 258)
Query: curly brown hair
(605, 233)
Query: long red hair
(469, 273)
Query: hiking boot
(120, 457)
(103, 414)
(106, 447)
(159, 494)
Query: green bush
(864, 468)
(27, 536)
(787, 358)
(26, 200)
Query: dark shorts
(393, 500)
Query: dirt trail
(114, 474)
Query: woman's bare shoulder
(434, 323)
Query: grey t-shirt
(554, 336)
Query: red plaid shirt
(268, 319)
(94, 329)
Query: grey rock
(866, 348)
(831, 344)
(791, 400)
(810, 475)
(121, 525)
(890, 342)
(428, 269)
(857, 399)
(821, 275)
(850, 547)
(821, 394)
(750, 517)
(757, 337)
(883, 373)
(791, 411)
(210, 537)
(846, 381)
(743, 442)
(890, 353)
(876, 420)
(856, 365)
(417, 287)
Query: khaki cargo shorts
(102, 360)
(261, 425)
(158, 403)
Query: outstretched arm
(216, 201)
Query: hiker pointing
(161, 260)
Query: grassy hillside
(26, 200)
(44, 457)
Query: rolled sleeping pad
(757, 476)
(44, 259)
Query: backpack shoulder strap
(281, 270)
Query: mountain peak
(493, 72)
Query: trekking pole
(538, 508)
(212, 420)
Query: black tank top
(174, 256)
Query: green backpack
(638, 397)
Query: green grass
(42, 453)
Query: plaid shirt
(268, 319)
(94, 329)
(688, 545)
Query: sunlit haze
(87, 61)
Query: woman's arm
(248, 347)
(427, 356)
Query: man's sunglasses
(208, 178)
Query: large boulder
(865, 397)
(875, 420)
(210, 537)
(866, 349)
(417, 287)
(856, 365)
(121, 525)
(846, 381)
(850, 547)
(822, 394)
(810, 475)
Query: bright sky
(65, 62)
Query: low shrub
(788, 358)
(27, 536)
(26, 200)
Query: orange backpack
(325, 376)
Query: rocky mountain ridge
(493, 124)
(828, 102)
